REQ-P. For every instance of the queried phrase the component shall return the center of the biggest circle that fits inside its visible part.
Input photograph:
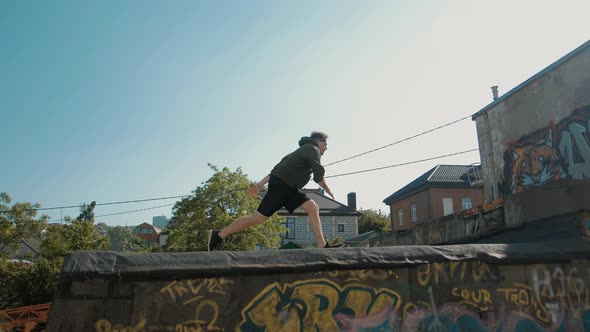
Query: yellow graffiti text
(104, 325)
(311, 305)
(195, 289)
(480, 298)
(364, 275)
(437, 273)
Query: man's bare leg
(313, 213)
(242, 223)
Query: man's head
(322, 140)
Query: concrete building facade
(538, 133)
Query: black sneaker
(214, 240)
(334, 245)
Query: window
(290, 224)
(145, 231)
(400, 216)
(466, 203)
(340, 227)
(413, 212)
(448, 206)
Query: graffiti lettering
(478, 298)
(106, 326)
(364, 275)
(537, 159)
(453, 271)
(197, 288)
(313, 305)
(521, 298)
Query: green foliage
(27, 283)
(214, 205)
(372, 220)
(34, 282)
(60, 240)
(17, 222)
(120, 238)
(21, 282)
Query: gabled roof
(24, 247)
(441, 176)
(533, 78)
(327, 205)
(291, 245)
(143, 225)
(362, 240)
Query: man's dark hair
(318, 136)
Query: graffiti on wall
(559, 151)
(319, 305)
(448, 296)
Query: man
(285, 182)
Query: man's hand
(252, 190)
(329, 193)
(324, 185)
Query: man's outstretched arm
(253, 190)
(324, 185)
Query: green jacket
(295, 168)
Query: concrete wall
(539, 133)
(450, 288)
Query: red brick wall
(429, 205)
(151, 237)
(437, 195)
(422, 213)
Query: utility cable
(400, 141)
(119, 213)
(120, 202)
(402, 164)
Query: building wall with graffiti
(539, 132)
(556, 152)
(453, 288)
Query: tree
(20, 280)
(214, 205)
(27, 283)
(372, 220)
(17, 222)
(122, 239)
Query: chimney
(495, 92)
(352, 200)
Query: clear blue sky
(122, 100)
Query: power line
(400, 141)
(103, 204)
(132, 211)
(124, 212)
(402, 164)
(122, 202)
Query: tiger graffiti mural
(320, 305)
(559, 151)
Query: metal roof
(327, 205)
(453, 176)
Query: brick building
(150, 234)
(443, 190)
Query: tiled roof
(446, 176)
(362, 240)
(327, 205)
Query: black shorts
(280, 194)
